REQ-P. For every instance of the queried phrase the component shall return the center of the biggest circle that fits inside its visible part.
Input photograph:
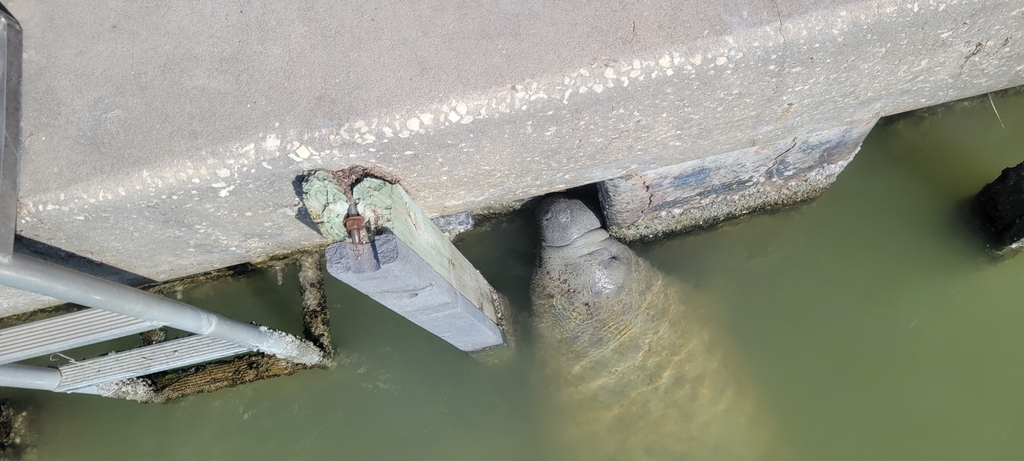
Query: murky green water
(871, 320)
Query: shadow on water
(509, 265)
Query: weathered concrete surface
(1000, 205)
(164, 138)
(710, 190)
(451, 225)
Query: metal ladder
(114, 310)
(90, 326)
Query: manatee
(639, 372)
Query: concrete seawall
(165, 139)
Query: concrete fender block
(393, 274)
(707, 191)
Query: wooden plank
(387, 205)
(326, 204)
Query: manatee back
(586, 304)
(642, 372)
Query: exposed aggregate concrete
(165, 139)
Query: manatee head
(587, 288)
(563, 220)
(577, 252)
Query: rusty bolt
(354, 224)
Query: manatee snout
(563, 220)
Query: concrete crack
(978, 48)
(650, 197)
(775, 161)
(612, 141)
(782, 65)
(778, 12)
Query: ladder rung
(65, 332)
(168, 355)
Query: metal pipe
(29, 377)
(10, 128)
(30, 274)
(38, 378)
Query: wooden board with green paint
(388, 206)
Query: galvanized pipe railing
(10, 128)
(29, 377)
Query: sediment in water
(13, 421)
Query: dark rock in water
(1000, 205)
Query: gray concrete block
(454, 224)
(392, 274)
(703, 192)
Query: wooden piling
(316, 321)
